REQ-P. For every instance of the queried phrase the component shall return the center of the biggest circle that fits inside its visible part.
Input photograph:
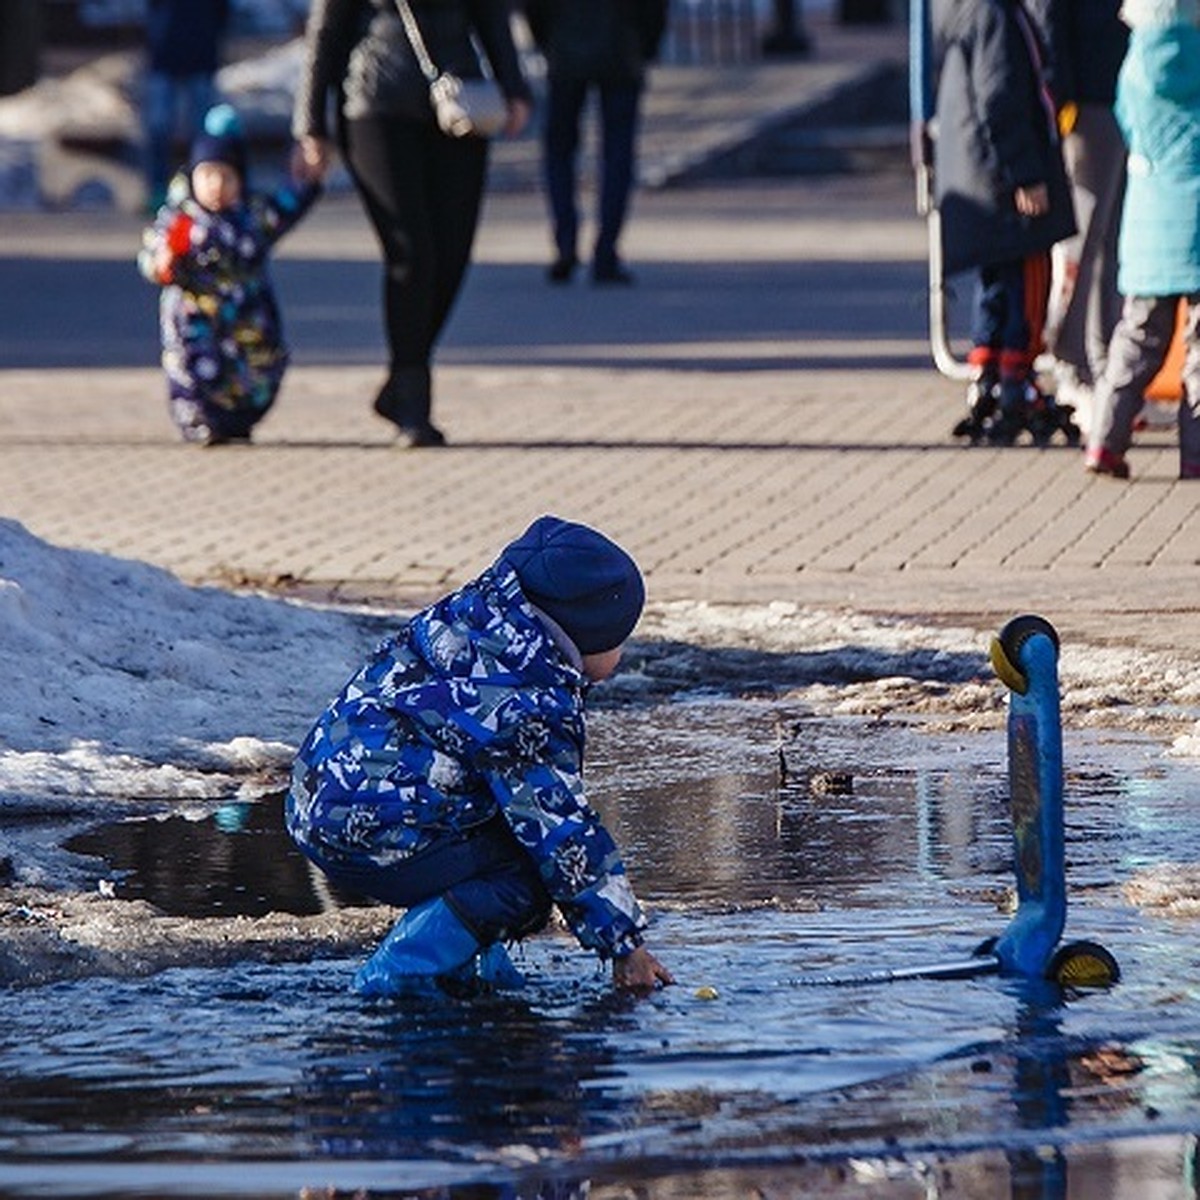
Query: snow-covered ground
(122, 682)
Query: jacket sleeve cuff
(627, 943)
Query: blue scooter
(1024, 656)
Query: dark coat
(993, 135)
(599, 41)
(183, 37)
(357, 50)
(1088, 41)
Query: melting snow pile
(121, 681)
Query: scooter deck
(963, 968)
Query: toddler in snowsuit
(222, 341)
(1003, 198)
(1158, 251)
(447, 776)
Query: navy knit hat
(581, 579)
(221, 140)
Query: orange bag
(1168, 383)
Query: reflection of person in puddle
(447, 775)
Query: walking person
(1088, 40)
(183, 51)
(421, 188)
(1003, 197)
(1158, 107)
(600, 46)
(209, 250)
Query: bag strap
(413, 32)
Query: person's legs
(202, 382)
(619, 104)
(1001, 317)
(457, 175)
(983, 357)
(1108, 185)
(560, 151)
(172, 106)
(199, 94)
(158, 125)
(1189, 403)
(989, 308)
(421, 191)
(386, 161)
(1139, 347)
(465, 894)
(1090, 304)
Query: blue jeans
(171, 105)
(619, 103)
(999, 319)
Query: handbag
(463, 107)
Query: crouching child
(446, 778)
(222, 336)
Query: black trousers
(619, 105)
(422, 193)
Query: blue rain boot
(494, 968)
(427, 942)
(491, 970)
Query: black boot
(1013, 415)
(982, 395)
(406, 400)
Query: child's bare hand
(1033, 201)
(640, 971)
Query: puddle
(757, 877)
(236, 862)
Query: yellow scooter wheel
(1083, 965)
(1006, 646)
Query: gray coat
(993, 135)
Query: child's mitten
(179, 234)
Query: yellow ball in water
(706, 993)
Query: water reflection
(237, 861)
(715, 822)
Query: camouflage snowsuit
(471, 712)
(222, 338)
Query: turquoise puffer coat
(1158, 107)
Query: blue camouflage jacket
(471, 709)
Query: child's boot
(1009, 421)
(427, 942)
(490, 970)
(981, 404)
(1014, 399)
